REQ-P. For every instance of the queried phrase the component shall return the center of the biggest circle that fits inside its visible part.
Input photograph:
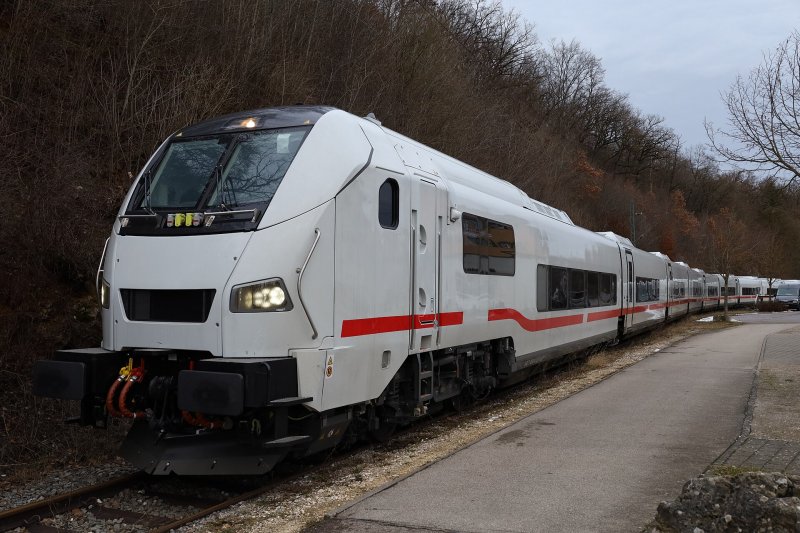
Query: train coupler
(82, 375)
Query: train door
(703, 293)
(630, 285)
(670, 297)
(425, 243)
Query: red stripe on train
(603, 315)
(389, 324)
(538, 324)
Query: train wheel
(384, 432)
(462, 401)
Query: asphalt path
(783, 317)
(600, 460)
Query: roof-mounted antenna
(371, 117)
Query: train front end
(216, 275)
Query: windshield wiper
(222, 184)
(233, 213)
(220, 188)
(215, 181)
(147, 203)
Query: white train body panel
(679, 293)
(646, 284)
(713, 291)
(446, 306)
(376, 294)
(751, 289)
(731, 289)
(696, 289)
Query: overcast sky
(672, 57)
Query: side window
(642, 293)
(500, 248)
(557, 288)
(541, 288)
(608, 289)
(577, 289)
(560, 288)
(489, 246)
(593, 289)
(388, 204)
(472, 229)
(646, 290)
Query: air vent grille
(150, 305)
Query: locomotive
(283, 279)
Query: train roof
(265, 118)
(665, 257)
(305, 115)
(479, 180)
(610, 235)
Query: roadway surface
(600, 460)
(785, 317)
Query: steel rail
(166, 528)
(32, 513)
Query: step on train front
(282, 281)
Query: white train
(281, 279)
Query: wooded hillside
(89, 88)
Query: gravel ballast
(16, 493)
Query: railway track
(106, 506)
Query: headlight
(105, 294)
(268, 295)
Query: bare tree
(730, 250)
(764, 116)
(772, 260)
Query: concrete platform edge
(341, 509)
(747, 421)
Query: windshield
(788, 291)
(246, 167)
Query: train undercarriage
(195, 415)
